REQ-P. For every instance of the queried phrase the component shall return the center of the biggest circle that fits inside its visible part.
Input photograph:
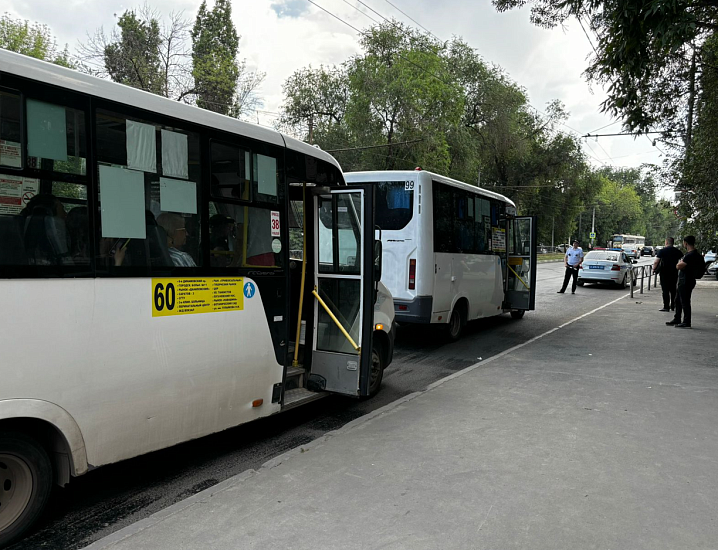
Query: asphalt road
(112, 497)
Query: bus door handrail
(336, 321)
(518, 276)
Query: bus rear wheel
(457, 321)
(25, 484)
(517, 314)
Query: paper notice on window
(122, 203)
(175, 163)
(267, 175)
(141, 147)
(178, 196)
(16, 192)
(10, 154)
(498, 239)
(46, 130)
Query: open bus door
(344, 275)
(520, 291)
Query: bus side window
(149, 194)
(443, 218)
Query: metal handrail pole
(630, 281)
(649, 277)
(643, 276)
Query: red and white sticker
(275, 224)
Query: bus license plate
(595, 267)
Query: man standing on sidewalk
(668, 257)
(572, 260)
(687, 267)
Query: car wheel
(456, 324)
(580, 283)
(25, 484)
(622, 284)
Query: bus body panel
(134, 383)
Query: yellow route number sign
(176, 296)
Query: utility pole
(593, 224)
(311, 129)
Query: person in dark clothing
(687, 268)
(668, 257)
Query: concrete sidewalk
(601, 433)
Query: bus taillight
(412, 274)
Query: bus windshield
(394, 204)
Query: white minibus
(149, 296)
(452, 252)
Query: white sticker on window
(175, 161)
(276, 246)
(16, 192)
(178, 196)
(341, 209)
(275, 224)
(46, 130)
(122, 196)
(141, 142)
(10, 154)
(267, 175)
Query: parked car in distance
(605, 267)
(562, 247)
(631, 250)
(648, 251)
(712, 270)
(709, 256)
(657, 248)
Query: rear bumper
(417, 310)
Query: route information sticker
(175, 296)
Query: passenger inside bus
(225, 240)
(174, 226)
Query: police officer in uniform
(572, 260)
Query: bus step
(295, 371)
(299, 396)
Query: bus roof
(400, 175)
(55, 75)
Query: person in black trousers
(572, 260)
(668, 257)
(687, 267)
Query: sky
(279, 37)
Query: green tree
(214, 57)
(170, 57)
(32, 39)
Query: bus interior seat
(45, 237)
(12, 248)
(152, 250)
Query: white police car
(606, 266)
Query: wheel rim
(375, 369)
(15, 489)
(455, 323)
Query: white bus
(452, 252)
(620, 239)
(148, 293)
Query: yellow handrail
(295, 362)
(336, 321)
(519, 278)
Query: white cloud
(281, 36)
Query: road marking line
(519, 346)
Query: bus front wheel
(25, 484)
(517, 314)
(377, 369)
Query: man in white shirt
(572, 260)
